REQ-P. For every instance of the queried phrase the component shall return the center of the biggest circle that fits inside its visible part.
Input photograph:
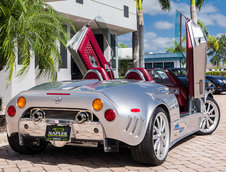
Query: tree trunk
(193, 12)
(141, 38)
(135, 45)
(141, 45)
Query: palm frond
(33, 26)
(165, 4)
(199, 4)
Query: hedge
(219, 73)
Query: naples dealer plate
(58, 133)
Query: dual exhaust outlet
(39, 114)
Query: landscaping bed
(218, 73)
(2, 123)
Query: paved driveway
(195, 153)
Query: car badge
(58, 100)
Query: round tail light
(109, 115)
(97, 104)
(11, 111)
(21, 102)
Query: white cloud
(163, 25)
(154, 43)
(213, 19)
(150, 35)
(208, 8)
(209, 14)
(152, 7)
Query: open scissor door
(86, 52)
(196, 59)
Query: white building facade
(120, 17)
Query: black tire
(144, 152)
(28, 147)
(203, 127)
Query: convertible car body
(102, 111)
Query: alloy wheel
(161, 136)
(210, 120)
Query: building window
(148, 65)
(169, 65)
(113, 46)
(157, 65)
(126, 11)
(63, 54)
(79, 1)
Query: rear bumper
(87, 131)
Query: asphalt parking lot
(195, 153)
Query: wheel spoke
(162, 147)
(212, 116)
(158, 123)
(208, 108)
(163, 126)
(156, 145)
(203, 124)
(211, 121)
(156, 129)
(207, 124)
(161, 123)
(158, 149)
(211, 111)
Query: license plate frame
(58, 133)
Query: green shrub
(219, 73)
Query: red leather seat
(97, 73)
(138, 74)
(182, 97)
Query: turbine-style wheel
(155, 146)
(161, 136)
(211, 117)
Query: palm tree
(219, 54)
(138, 36)
(32, 26)
(212, 42)
(198, 4)
(176, 48)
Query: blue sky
(159, 25)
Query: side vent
(134, 126)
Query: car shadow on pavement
(70, 157)
(183, 141)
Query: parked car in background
(214, 84)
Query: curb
(3, 139)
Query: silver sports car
(102, 111)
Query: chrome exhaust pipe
(81, 117)
(38, 115)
